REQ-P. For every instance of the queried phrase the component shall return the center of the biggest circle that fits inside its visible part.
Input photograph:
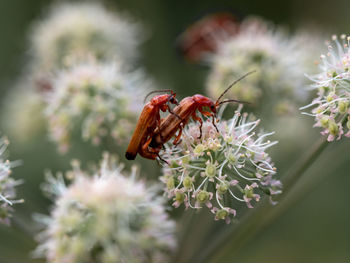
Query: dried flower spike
(221, 168)
(331, 106)
(105, 216)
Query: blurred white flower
(331, 106)
(279, 61)
(221, 168)
(105, 216)
(22, 112)
(7, 185)
(74, 31)
(95, 100)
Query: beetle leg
(154, 153)
(160, 158)
(150, 153)
(205, 113)
(213, 121)
(146, 153)
(196, 118)
(171, 111)
(209, 114)
(177, 139)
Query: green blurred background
(314, 229)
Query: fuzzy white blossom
(73, 31)
(95, 100)
(105, 216)
(22, 113)
(7, 185)
(331, 106)
(221, 169)
(279, 61)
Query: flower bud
(333, 128)
(203, 196)
(343, 107)
(210, 170)
(187, 183)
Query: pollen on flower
(96, 100)
(331, 106)
(219, 178)
(105, 215)
(7, 185)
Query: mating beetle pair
(151, 132)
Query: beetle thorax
(203, 101)
(160, 99)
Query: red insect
(147, 123)
(182, 114)
(204, 36)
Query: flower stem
(231, 240)
(194, 235)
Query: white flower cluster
(7, 185)
(331, 106)
(72, 31)
(220, 168)
(83, 67)
(95, 100)
(105, 217)
(22, 113)
(278, 59)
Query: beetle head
(172, 98)
(212, 107)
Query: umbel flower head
(259, 45)
(7, 185)
(331, 106)
(95, 100)
(72, 31)
(221, 169)
(105, 216)
(22, 113)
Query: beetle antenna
(232, 84)
(231, 100)
(155, 91)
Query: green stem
(194, 235)
(234, 238)
(184, 227)
(305, 186)
(295, 174)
